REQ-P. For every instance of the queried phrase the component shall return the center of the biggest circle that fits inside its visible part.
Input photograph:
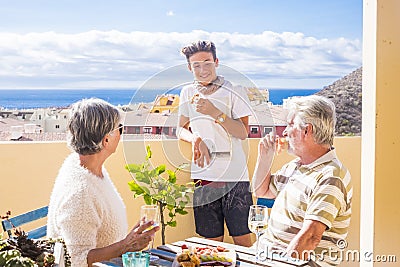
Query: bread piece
(195, 259)
(282, 144)
(187, 264)
(183, 257)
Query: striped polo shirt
(321, 191)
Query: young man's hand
(201, 153)
(204, 106)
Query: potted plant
(21, 251)
(159, 186)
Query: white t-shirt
(231, 164)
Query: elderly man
(312, 193)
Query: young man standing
(217, 114)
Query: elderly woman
(85, 208)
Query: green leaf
(147, 199)
(161, 169)
(172, 176)
(142, 177)
(172, 223)
(133, 168)
(146, 190)
(170, 201)
(135, 187)
(181, 211)
(148, 156)
(157, 197)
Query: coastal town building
(161, 120)
(165, 104)
(149, 125)
(155, 120)
(33, 124)
(51, 120)
(267, 118)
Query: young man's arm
(236, 127)
(199, 148)
(183, 129)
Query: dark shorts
(216, 203)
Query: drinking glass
(136, 259)
(258, 223)
(150, 213)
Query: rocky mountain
(346, 94)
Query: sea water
(57, 98)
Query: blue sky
(122, 43)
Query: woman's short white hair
(318, 111)
(90, 121)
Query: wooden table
(244, 255)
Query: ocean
(36, 98)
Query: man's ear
(308, 128)
(189, 67)
(216, 62)
(105, 141)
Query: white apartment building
(51, 120)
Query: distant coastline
(59, 98)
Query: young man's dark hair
(199, 46)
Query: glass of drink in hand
(258, 223)
(150, 213)
(281, 144)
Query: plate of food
(205, 256)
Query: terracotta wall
(28, 171)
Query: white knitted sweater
(85, 210)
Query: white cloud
(121, 59)
(170, 13)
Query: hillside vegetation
(346, 93)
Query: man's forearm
(261, 179)
(306, 240)
(301, 245)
